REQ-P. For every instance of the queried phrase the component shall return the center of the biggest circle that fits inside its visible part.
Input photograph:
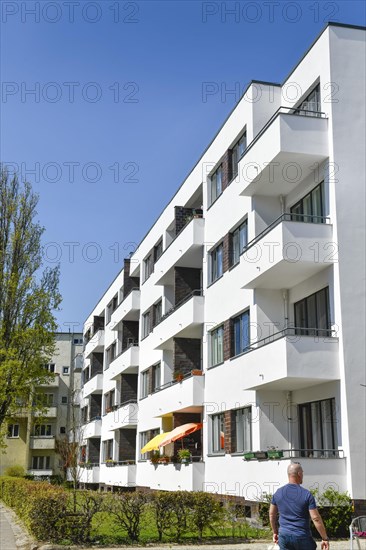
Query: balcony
(53, 383)
(94, 385)
(122, 416)
(184, 320)
(123, 474)
(125, 362)
(184, 396)
(287, 150)
(128, 309)
(186, 250)
(92, 428)
(49, 412)
(40, 473)
(41, 443)
(95, 344)
(172, 477)
(90, 474)
(286, 253)
(288, 361)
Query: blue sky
(118, 117)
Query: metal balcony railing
(174, 308)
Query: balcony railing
(286, 454)
(186, 376)
(123, 404)
(286, 217)
(282, 110)
(293, 332)
(130, 345)
(197, 214)
(174, 308)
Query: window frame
(215, 273)
(146, 323)
(306, 429)
(299, 205)
(214, 445)
(156, 307)
(237, 322)
(213, 341)
(235, 157)
(144, 383)
(156, 377)
(216, 184)
(316, 330)
(148, 265)
(237, 236)
(11, 429)
(245, 412)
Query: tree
(28, 297)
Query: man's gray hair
(294, 468)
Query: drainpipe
(282, 202)
(285, 306)
(289, 419)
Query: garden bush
(15, 471)
(336, 511)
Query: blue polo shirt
(293, 503)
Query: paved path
(7, 538)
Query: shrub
(15, 471)
(206, 511)
(163, 504)
(182, 504)
(336, 511)
(127, 508)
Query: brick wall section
(186, 280)
(227, 251)
(228, 339)
(191, 440)
(129, 282)
(128, 387)
(127, 444)
(230, 432)
(226, 169)
(130, 329)
(187, 355)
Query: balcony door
(318, 436)
(312, 314)
(310, 208)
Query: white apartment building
(243, 306)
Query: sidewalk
(12, 534)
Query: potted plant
(110, 462)
(88, 465)
(178, 376)
(184, 456)
(196, 372)
(249, 455)
(154, 457)
(273, 452)
(164, 460)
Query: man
(294, 504)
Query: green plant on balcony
(154, 457)
(164, 460)
(81, 464)
(178, 376)
(110, 462)
(88, 465)
(249, 455)
(274, 452)
(184, 455)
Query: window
(13, 430)
(65, 370)
(217, 434)
(42, 430)
(108, 450)
(46, 399)
(109, 401)
(148, 266)
(311, 104)
(111, 354)
(50, 367)
(146, 325)
(62, 430)
(216, 264)
(64, 400)
(158, 250)
(241, 332)
(41, 462)
(78, 341)
(240, 241)
(111, 307)
(243, 429)
(157, 313)
(236, 153)
(311, 207)
(144, 384)
(318, 434)
(144, 438)
(217, 346)
(156, 374)
(312, 314)
(216, 184)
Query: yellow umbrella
(153, 444)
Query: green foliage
(183, 502)
(264, 509)
(206, 511)
(163, 504)
(15, 471)
(336, 511)
(28, 297)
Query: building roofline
(253, 81)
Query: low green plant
(15, 471)
(206, 511)
(336, 511)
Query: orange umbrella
(180, 432)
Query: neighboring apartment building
(250, 287)
(32, 444)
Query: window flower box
(249, 456)
(260, 455)
(110, 463)
(274, 453)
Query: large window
(217, 434)
(41, 462)
(216, 184)
(156, 375)
(243, 429)
(144, 388)
(312, 314)
(158, 250)
(42, 430)
(311, 207)
(216, 263)
(148, 266)
(111, 354)
(217, 346)
(318, 434)
(111, 307)
(108, 450)
(13, 430)
(146, 324)
(240, 241)
(241, 330)
(236, 153)
(311, 104)
(157, 313)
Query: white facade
(273, 254)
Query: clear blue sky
(120, 84)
